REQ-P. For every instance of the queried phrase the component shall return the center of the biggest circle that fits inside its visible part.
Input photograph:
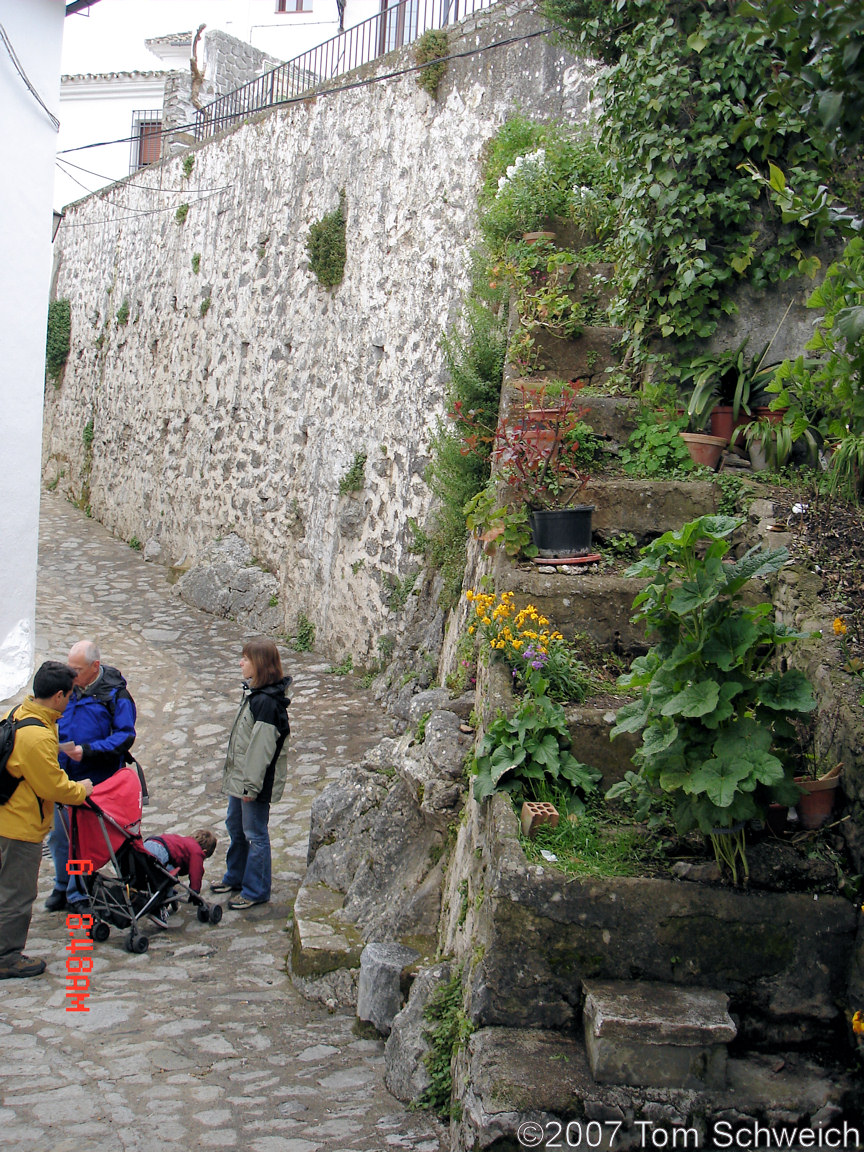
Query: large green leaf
(630, 717)
(658, 737)
(695, 700)
(694, 594)
(503, 760)
(755, 562)
(719, 780)
(788, 692)
(729, 641)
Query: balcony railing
(398, 25)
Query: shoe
(56, 902)
(241, 903)
(20, 966)
(221, 886)
(163, 914)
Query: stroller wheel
(135, 942)
(203, 913)
(215, 913)
(100, 932)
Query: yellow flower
(858, 1023)
(839, 626)
(469, 595)
(471, 630)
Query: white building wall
(94, 109)
(35, 31)
(112, 37)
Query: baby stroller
(107, 827)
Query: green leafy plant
(181, 213)
(595, 843)
(429, 50)
(343, 668)
(205, 306)
(827, 394)
(135, 544)
(399, 590)
(420, 734)
(123, 313)
(355, 477)
(655, 447)
(729, 378)
(196, 262)
(528, 753)
(304, 639)
(326, 245)
(448, 1030)
(188, 165)
(714, 709)
(59, 338)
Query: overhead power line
(7, 44)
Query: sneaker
(163, 914)
(19, 966)
(221, 886)
(56, 902)
(241, 903)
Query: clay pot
(704, 450)
(723, 424)
(534, 237)
(816, 802)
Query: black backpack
(8, 728)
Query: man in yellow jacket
(26, 818)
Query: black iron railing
(398, 25)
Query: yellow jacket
(29, 811)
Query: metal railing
(394, 27)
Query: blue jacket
(101, 718)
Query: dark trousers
(19, 877)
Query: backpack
(8, 728)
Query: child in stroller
(108, 829)
(185, 854)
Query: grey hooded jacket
(256, 765)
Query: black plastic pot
(563, 533)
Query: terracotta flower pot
(816, 802)
(534, 237)
(723, 423)
(704, 450)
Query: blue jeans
(247, 864)
(58, 843)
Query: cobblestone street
(202, 1041)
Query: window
(293, 5)
(146, 137)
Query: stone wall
(228, 392)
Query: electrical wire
(134, 214)
(130, 184)
(7, 44)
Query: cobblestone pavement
(202, 1041)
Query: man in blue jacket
(97, 729)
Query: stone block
(405, 1072)
(656, 1035)
(380, 989)
(321, 943)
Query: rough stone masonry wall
(234, 399)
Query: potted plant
(539, 460)
(714, 708)
(817, 784)
(725, 388)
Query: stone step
(577, 602)
(321, 941)
(589, 725)
(589, 357)
(656, 1035)
(613, 417)
(647, 508)
(528, 1087)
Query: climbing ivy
(689, 96)
(59, 337)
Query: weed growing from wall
(355, 478)
(205, 306)
(181, 213)
(448, 1029)
(188, 165)
(304, 639)
(431, 46)
(326, 246)
(58, 339)
(123, 313)
(196, 262)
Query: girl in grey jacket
(255, 772)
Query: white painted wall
(35, 30)
(99, 108)
(112, 37)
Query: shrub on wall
(431, 47)
(59, 337)
(326, 246)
